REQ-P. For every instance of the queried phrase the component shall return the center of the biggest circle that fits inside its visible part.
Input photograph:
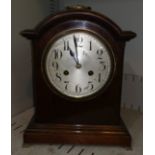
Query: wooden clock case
(61, 120)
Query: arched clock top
(69, 15)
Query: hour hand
(72, 54)
(78, 65)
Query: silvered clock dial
(78, 63)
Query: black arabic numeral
(78, 89)
(90, 85)
(66, 45)
(79, 41)
(66, 86)
(57, 54)
(55, 65)
(103, 64)
(58, 76)
(90, 45)
(99, 52)
(99, 77)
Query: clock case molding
(60, 120)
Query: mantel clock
(77, 62)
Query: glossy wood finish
(78, 134)
(101, 110)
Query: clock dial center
(78, 66)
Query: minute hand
(76, 51)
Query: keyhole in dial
(66, 72)
(90, 73)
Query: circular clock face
(78, 64)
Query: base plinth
(77, 134)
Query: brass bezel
(95, 34)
